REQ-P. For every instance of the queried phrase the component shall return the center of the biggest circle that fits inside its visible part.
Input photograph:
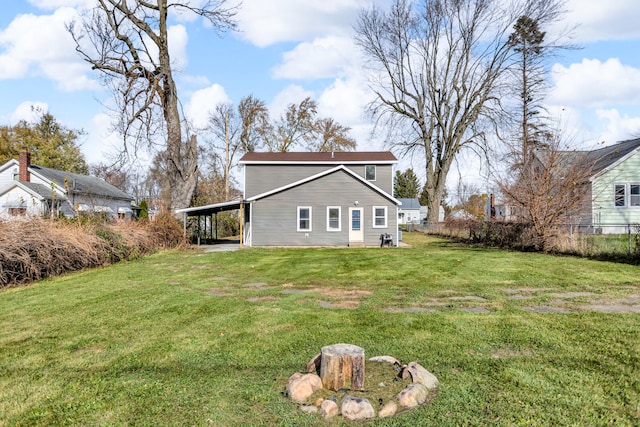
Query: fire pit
(335, 382)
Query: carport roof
(211, 209)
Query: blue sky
(288, 49)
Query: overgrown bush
(36, 249)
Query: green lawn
(192, 338)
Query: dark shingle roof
(81, 184)
(595, 160)
(42, 190)
(337, 157)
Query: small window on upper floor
(370, 172)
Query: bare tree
(295, 127)
(550, 189)
(437, 66)
(128, 42)
(330, 136)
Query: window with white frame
(626, 195)
(370, 172)
(304, 218)
(334, 218)
(379, 217)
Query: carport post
(184, 226)
(241, 221)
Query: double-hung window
(334, 218)
(304, 218)
(379, 217)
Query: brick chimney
(25, 162)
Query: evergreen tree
(406, 184)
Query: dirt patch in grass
(346, 304)
(220, 292)
(264, 298)
(503, 353)
(341, 293)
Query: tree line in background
(447, 75)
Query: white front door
(356, 225)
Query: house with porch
(28, 190)
(314, 199)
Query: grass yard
(186, 338)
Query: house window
(634, 195)
(379, 217)
(334, 218)
(370, 172)
(20, 211)
(619, 197)
(304, 218)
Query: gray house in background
(318, 199)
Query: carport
(207, 218)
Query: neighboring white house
(28, 190)
(611, 195)
(409, 211)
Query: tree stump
(341, 365)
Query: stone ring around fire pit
(335, 382)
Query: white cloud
(48, 52)
(595, 84)
(618, 126)
(345, 101)
(29, 111)
(292, 94)
(325, 57)
(264, 23)
(601, 20)
(102, 141)
(56, 4)
(203, 102)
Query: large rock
(329, 409)
(388, 410)
(355, 408)
(421, 375)
(413, 395)
(387, 359)
(301, 386)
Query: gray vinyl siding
(274, 218)
(262, 178)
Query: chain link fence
(604, 240)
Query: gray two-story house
(319, 199)
(313, 199)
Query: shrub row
(36, 249)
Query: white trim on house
(212, 206)
(374, 216)
(329, 228)
(310, 219)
